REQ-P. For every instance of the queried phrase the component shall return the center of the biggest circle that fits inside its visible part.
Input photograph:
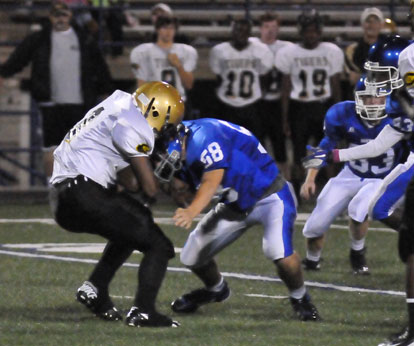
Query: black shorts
(81, 205)
(306, 122)
(406, 231)
(271, 115)
(58, 120)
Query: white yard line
(302, 217)
(225, 274)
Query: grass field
(38, 285)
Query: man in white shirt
(116, 134)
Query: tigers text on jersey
(343, 123)
(150, 63)
(310, 69)
(272, 88)
(100, 144)
(239, 71)
(217, 144)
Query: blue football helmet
(171, 159)
(364, 106)
(382, 65)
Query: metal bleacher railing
(205, 22)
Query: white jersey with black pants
(84, 199)
(239, 92)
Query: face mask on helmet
(382, 65)
(161, 104)
(171, 159)
(367, 105)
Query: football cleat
(311, 265)
(103, 308)
(304, 309)
(402, 339)
(190, 302)
(138, 318)
(359, 262)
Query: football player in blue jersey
(214, 153)
(390, 66)
(382, 80)
(355, 122)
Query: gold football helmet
(161, 104)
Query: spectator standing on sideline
(240, 66)
(310, 84)
(270, 109)
(68, 74)
(162, 9)
(372, 21)
(165, 60)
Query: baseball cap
(372, 11)
(163, 7)
(58, 7)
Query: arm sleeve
(385, 140)
(214, 61)
(190, 62)
(332, 128)
(129, 141)
(338, 61)
(20, 57)
(283, 60)
(138, 65)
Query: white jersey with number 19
(310, 69)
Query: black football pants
(81, 205)
(406, 231)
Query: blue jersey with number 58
(217, 144)
(343, 123)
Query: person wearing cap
(68, 74)
(372, 21)
(162, 9)
(165, 60)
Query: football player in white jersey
(310, 84)
(165, 60)
(116, 134)
(270, 110)
(239, 65)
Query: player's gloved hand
(317, 158)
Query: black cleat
(307, 264)
(138, 318)
(404, 338)
(304, 309)
(103, 308)
(359, 262)
(190, 302)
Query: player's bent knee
(275, 253)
